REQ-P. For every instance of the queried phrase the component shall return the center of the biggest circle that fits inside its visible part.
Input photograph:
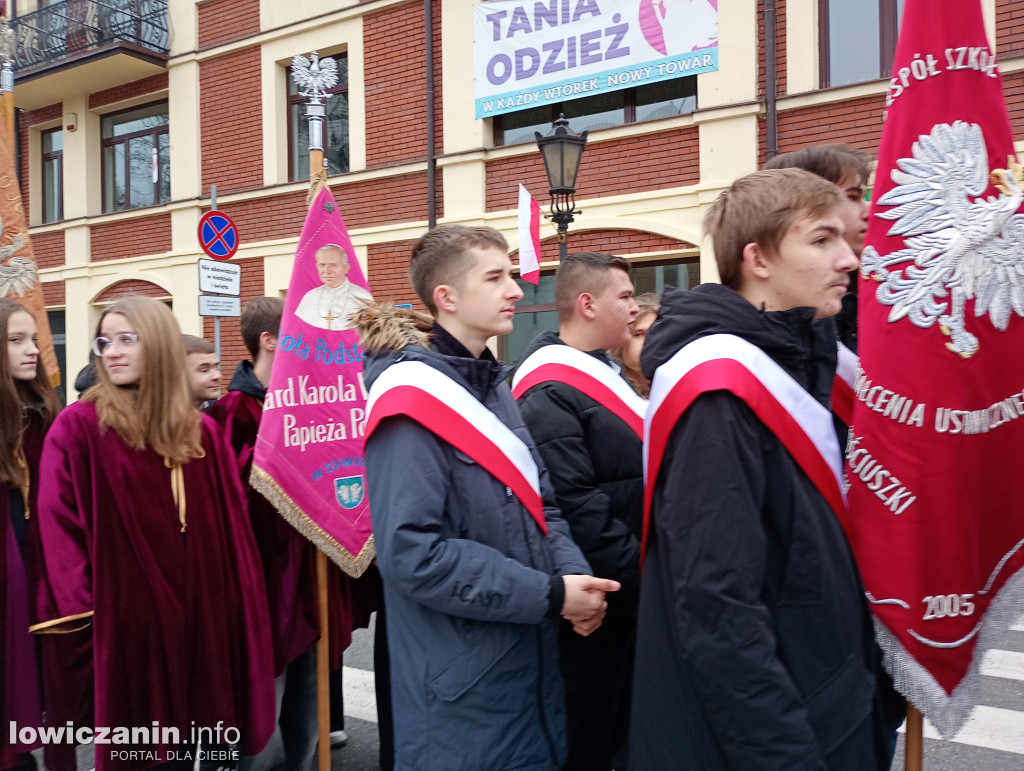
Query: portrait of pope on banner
(329, 306)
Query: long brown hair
(158, 413)
(17, 397)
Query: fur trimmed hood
(390, 334)
(385, 327)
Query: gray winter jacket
(467, 577)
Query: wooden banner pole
(7, 50)
(8, 108)
(323, 668)
(913, 754)
(317, 177)
(315, 83)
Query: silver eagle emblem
(17, 277)
(314, 76)
(960, 246)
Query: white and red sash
(728, 363)
(842, 388)
(588, 375)
(445, 408)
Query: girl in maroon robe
(145, 535)
(28, 405)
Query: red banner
(308, 459)
(933, 460)
(19, 274)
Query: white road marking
(1005, 664)
(989, 727)
(360, 694)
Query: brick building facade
(210, 102)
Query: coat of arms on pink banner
(308, 459)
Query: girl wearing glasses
(28, 405)
(146, 538)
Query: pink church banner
(309, 453)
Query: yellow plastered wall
(727, 121)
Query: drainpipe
(431, 160)
(770, 116)
(17, 147)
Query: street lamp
(562, 150)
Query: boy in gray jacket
(476, 561)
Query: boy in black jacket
(755, 648)
(584, 417)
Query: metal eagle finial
(314, 76)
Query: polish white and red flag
(529, 237)
(933, 461)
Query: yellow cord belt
(26, 488)
(178, 490)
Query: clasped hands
(585, 604)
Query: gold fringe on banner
(354, 565)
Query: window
(657, 100)
(57, 332)
(136, 158)
(857, 39)
(53, 186)
(536, 312)
(335, 133)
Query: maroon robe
(20, 691)
(65, 659)
(180, 622)
(289, 559)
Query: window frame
(628, 110)
(124, 139)
(298, 99)
(888, 32)
(45, 158)
(58, 333)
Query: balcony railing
(65, 31)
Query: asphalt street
(992, 740)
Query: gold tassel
(26, 488)
(178, 489)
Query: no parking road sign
(218, 235)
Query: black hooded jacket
(596, 465)
(244, 379)
(755, 647)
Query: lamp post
(562, 150)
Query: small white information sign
(220, 277)
(212, 305)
